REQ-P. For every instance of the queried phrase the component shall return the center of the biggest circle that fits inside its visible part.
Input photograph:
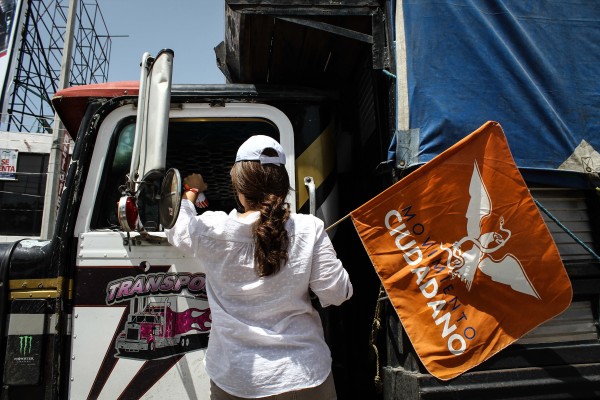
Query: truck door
(141, 319)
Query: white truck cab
(125, 310)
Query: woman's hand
(196, 181)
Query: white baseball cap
(253, 148)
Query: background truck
(335, 83)
(158, 327)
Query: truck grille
(133, 334)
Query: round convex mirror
(170, 198)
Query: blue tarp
(531, 65)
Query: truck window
(204, 145)
(118, 162)
(22, 200)
(208, 146)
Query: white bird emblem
(464, 260)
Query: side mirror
(170, 198)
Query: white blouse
(266, 337)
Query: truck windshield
(145, 318)
(204, 145)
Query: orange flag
(464, 254)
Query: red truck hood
(70, 104)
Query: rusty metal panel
(296, 6)
(314, 43)
(305, 3)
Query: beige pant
(325, 391)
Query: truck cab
(126, 307)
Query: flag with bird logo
(464, 254)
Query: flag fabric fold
(464, 254)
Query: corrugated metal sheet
(570, 207)
(574, 325)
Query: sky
(191, 28)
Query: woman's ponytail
(270, 237)
(265, 188)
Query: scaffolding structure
(39, 60)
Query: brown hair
(265, 187)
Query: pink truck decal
(161, 319)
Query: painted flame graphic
(190, 319)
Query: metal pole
(58, 132)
